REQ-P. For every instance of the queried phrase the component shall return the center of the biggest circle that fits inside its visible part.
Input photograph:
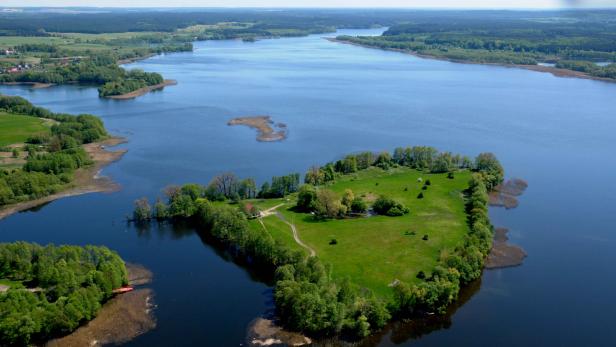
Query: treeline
(307, 299)
(456, 267)
(114, 79)
(507, 40)
(608, 71)
(418, 157)
(53, 289)
(132, 80)
(52, 159)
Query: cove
(556, 133)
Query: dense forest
(52, 160)
(574, 40)
(53, 289)
(307, 298)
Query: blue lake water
(557, 133)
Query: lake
(559, 134)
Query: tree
(490, 169)
(389, 207)
(347, 198)
(306, 198)
(225, 184)
(328, 204)
(142, 211)
(247, 188)
(358, 205)
(314, 176)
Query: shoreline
(135, 59)
(120, 319)
(142, 91)
(33, 85)
(557, 72)
(87, 180)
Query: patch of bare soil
(143, 91)
(504, 254)
(121, 319)
(505, 194)
(267, 131)
(87, 180)
(265, 332)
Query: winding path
(271, 211)
(296, 235)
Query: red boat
(123, 290)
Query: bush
(420, 195)
(389, 207)
(359, 205)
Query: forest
(307, 297)
(53, 289)
(51, 160)
(573, 40)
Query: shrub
(389, 207)
(358, 205)
(420, 195)
(333, 242)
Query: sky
(487, 4)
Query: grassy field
(16, 129)
(375, 251)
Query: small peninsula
(46, 156)
(366, 238)
(267, 130)
(46, 291)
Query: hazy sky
(314, 3)
(310, 3)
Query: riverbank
(34, 85)
(121, 319)
(142, 91)
(87, 180)
(538, 68)
(264, 126)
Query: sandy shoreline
(34, 85)
(121, 319)
(142, 91)
(538, 68)
(87, 180)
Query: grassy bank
(377, 250)
(16, 129)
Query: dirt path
(296, 235)
(272, 211)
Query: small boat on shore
(123, 290)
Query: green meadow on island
(367, 238)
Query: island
(366, 238)
(267, 130)
(46, 156)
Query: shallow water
(556, 133)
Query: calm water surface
(557, 133)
